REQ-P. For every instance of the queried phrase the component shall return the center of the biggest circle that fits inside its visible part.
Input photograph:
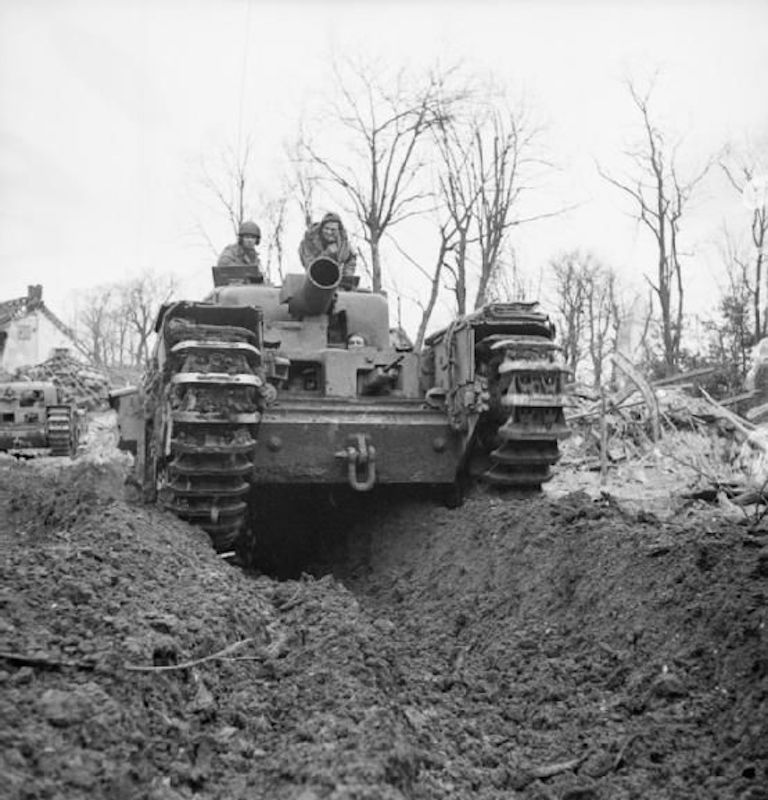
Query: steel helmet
(249, 228)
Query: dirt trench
(558, 647)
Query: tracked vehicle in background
(35, 420)
(261, 386)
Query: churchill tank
(305, 385)
(36, 420)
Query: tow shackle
(361, 463)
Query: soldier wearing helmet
(328, 238)
(243, 252)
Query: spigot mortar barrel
(315, 295)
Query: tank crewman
(243, 252)
(355, 341)
(328, 238)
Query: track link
(214, 395)
(61, 431)
(526, 389)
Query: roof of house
(20, 307)
(12, 309)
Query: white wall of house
(31, 340)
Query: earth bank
(513, 648)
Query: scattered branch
(221, 654)
(44, 661)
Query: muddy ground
(570, 646)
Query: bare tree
(505, 155)
(570, 291)
(303, 180)
(117, 320)
(141, 299)
(446, 235)
(589, 306)
(229, 180)
(275, 215)
(510, 282)
(458, 190)
(385, 125)
(601, 305)
(433, 277)
(742, 173)
(660, 197)
(732, 334)
(230, 183)
(491, 157)
(119, 338)
(488, 158)
(94, 322)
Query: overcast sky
(106, 109)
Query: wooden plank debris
(628, 368)
(728, 459)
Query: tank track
(526, 419)
(213, 391)
(61, 433)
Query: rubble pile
(622, 426)
(723, 454)
(85, 385)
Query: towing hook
(361, 463)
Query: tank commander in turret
(242, 253)
(328, 238)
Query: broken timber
(628, 368)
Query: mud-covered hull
(309, 441)
(261, 387)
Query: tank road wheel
(62, 431)
(214, 393)
(526, 421)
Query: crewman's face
(330, 231)
(249, 242)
